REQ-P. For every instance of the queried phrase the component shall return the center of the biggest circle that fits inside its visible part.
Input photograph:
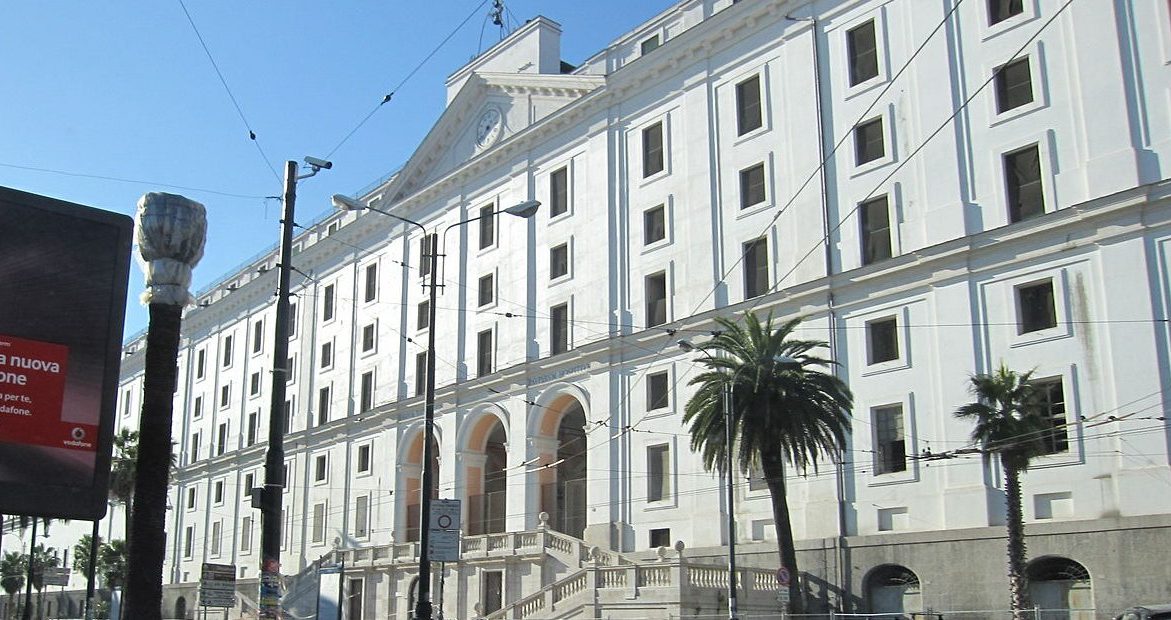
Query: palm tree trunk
(774, 473)
(144, 583)
(1017, 584)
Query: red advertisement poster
(32, 395)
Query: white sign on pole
(55, 576)
(217, 585)
(443, 530)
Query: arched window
(893, 589)
(1062, 589)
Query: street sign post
(443, 526)
(783, 577)
(55, 576)
(217, 585)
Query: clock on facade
(489, 127)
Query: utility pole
(274, 461)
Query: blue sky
(124, 90)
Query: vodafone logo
(78, 433)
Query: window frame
(489, 279)
(1011, 195)
(485, 352)
(872, 325)
(659, 455)
(649, 312)
(647, 226)
(866, 233)
(853, 55)
(324, 404)
(367, 389)
(1022, 320)
(564, 343)
(753, 248)
(369, 338)
(747, 186)
(863, 159)
(658, 403)
(328, 302)
(649, 152)
(486, 233)
(745, 123)
(258, 337)
(1002, 89)
(370, 283)
(564, 273)
(560, 197)
(884, 464)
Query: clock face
(489, 127)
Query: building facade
(939, 188)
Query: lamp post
(525, 210)
(171, 231)
(785, 362)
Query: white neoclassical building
(938, 187)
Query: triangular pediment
(489, 109)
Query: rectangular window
(253, 427)
(1050, 395)
(890, 454)
(1022, 179)
(192, 498)
(200, 363)
(654, 224)
(660, 537)
(487, 226)
(362, 516)
(320, 468)
(427, 247)
(874, 217)
(491, 591)
(193, 452)
(327, 303)
(258, 336)
(218, 492)
(423, 315)
(559, 192)
(1000, 10)
(486, 290)
(653, 161)
(287, 424)
(364, 458)
(484, 353)
(1014, 85)
(225, 395)
(371, 292)
(323, 401)
(366, 401)
(246, 534)
(189, 541)
(227, 351)
(559, 261)
(658, 461)
(318, 533)
(126, 403)
(649, 45)
(326, 354)
(752, 186)
(254, 383)
(862, 48)
(657, 391)
(197, 408)
(559, 329)
(756, 282)
(869, 141)
(292, 320)
(369, 333)
(290, 369)
(1036, 307)
(748, 112)
(221, 441)
(420, 373)
(656, 299)
(882, 340)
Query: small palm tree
(789, 411)
(122, 467)
(1009, 422)
(112, 563)
(12, 570)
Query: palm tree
(1010, 423)
(41, 559)
(112, 563)
(122, 467)
(12, 569)
(784, 411)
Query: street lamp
(525, 210)
(786, 363)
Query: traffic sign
(443, 530)
(783, 577)
(444, 514)
(217, 585)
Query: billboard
(63, 279)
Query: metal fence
(959, 614)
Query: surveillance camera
(318, 163)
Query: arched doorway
(893, 589)
(488, 478)
(414, 484)
(569, 514)
(181, 608)
(1062, 589)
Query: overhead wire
(228, 90)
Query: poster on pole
(443, 530)
(64, 269)
(217, 585)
